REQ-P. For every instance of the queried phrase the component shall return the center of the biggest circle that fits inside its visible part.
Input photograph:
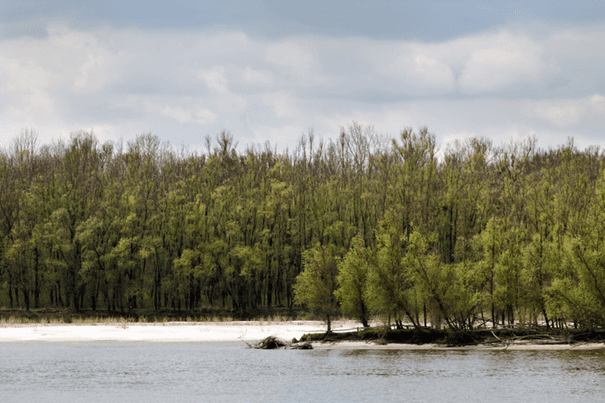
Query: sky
(271, 71)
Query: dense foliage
(371, 226)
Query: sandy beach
(166, 332)
(234, 331)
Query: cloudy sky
(271, 70)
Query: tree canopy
(366, 225)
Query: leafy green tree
(539, 262)
(316, 284)
(582, 286)
(390, 291)
(435, 280)
(352, 279)
(507, 275)
(491, 245)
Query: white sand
(234, 331)
(170, 331)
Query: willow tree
(390, 290)
(316, 284)
(352, 280)
(582, 287)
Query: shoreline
(164, 331)
(242, 331)
(359, 345)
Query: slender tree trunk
(424, 312)
(36, 279)
(545, 318)
(10, 292)
(59, 298)
(26, 299)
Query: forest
(366, 226)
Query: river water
(230, 372)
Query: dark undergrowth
(63, 315)
(464, 338)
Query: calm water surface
(229, 372)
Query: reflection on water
(49, 372)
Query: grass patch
(12, 317)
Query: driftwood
(272, 342)
(303, 345)
(537, 338)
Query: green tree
(582, 286)
(352, 280)
(316, 284)
(390, 291)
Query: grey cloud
(182, 85)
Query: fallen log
(304, 345)
(272, 342)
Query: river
(230, 372)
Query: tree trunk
(546, 319)
(26, 299)
(36, 280)
(10, 292)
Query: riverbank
(166, 331)
(345, 335)
(521, 338)
(358, 345)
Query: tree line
(365, 225)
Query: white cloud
(425, 72)
(260, 77)
(501, 61)
(489, 63)
(296, 58)
(27, 87)
(567, 112)
(183, 85)
(419, 67)
(597, 102)
(282, 104)
(86, 58)
(196, 114)
(282, 136)
(39, 75)
(561, 113)
(216, 81)
(97, 71)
